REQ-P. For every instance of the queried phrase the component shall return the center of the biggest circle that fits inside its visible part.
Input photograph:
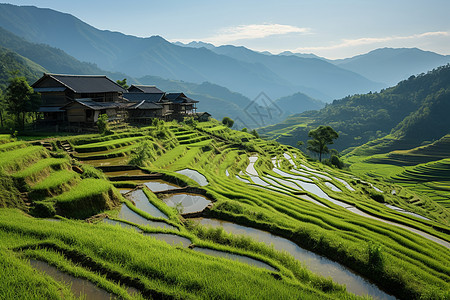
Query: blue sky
(329, 28)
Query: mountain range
(227, 80)
(237, 69)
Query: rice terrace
(136, 166)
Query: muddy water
(171, 239)
(241, 258)
(79, 287)
(316, 263)
(126, 173)
(190, 202)
(194, 175)
(142, 202)
(127, 214)
(160, 186)
(115, 161)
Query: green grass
(106, 145)
(158, 269)
(410, 265)
(39, 166)
(55, 180)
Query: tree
(20, 99)
(300, 143)
(123, 83)
(102, 123)
(227, 122)
(322, 136)
(255, 133)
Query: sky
(328, 28)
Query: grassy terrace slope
(269, 194)
(424, 169)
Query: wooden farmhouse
(80, 99)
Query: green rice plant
(158, 268)
(88, 197)
(37, 168)
(106, 145)
(19, 280)
(8, 146)
(55, 180)
(18, 159)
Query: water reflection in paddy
(405, 211)
(79, 287)
(190, 202)
(241, 258)
(127, 214)
(160, 186)
(142, 202)
(194, 175)
(171, 239)
(122, 224)
(316, 263)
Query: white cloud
(348, 43)
(248, 32)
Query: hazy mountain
(303, 55)
(24, 57)
(195, 44)
(312, 76)
(390, 66)
(298, 103)
(113, 51)
(413, 111)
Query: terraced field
(425, 169)
(173, 172)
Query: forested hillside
(413, 111)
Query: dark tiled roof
(179, 98)
(145, 89)
(138, 97)
(85, 83)
(145, 105)
(50, 109)
(50, 89)
(96, 105)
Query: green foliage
(322, 136)
(254, 133)
(20, 99)
(227, 121)
(123, 83)
(413, 110)
(143, 154)
(102, 123)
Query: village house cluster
(78, 100)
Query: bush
(227, 122)
(102, 123)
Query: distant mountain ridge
(32, 60)
(117, 52)
(391, 66)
